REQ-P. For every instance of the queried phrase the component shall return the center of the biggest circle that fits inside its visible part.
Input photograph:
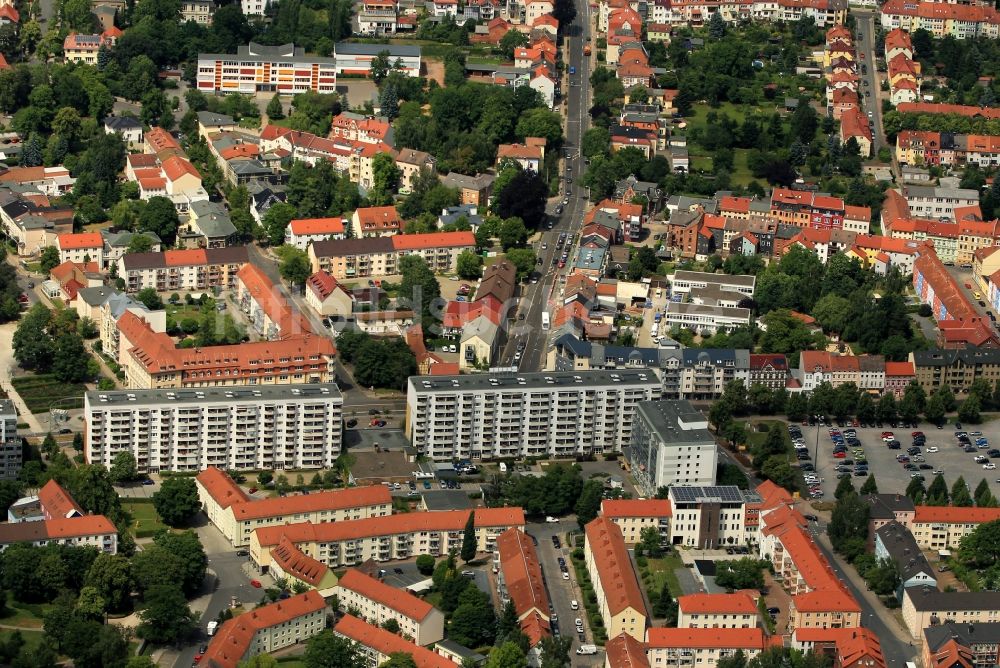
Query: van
(503, 467)
(659, 292)
(586, 649)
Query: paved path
(7, 365)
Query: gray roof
(395, 50)
(460, 650)
(96, 296)
(902, 547)
(121, 239)
(215, 226)
(739, 358)
(478, 182)
(885, 506)
(122, 123)
(938, 357)
(118, 303)
(966, 635)
(590, 258)
(447, 499)
(675, 422)
(211, 394)
(937, 192)
(703, 309)
(482, 327)
(927, 599)
(213, 120)
(600, 355)
(545, 379)
(245, 167)
(706, 277)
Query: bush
(425, 564)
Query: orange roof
(898, 369)
(519, 152)
(309, 226)
(80, 240)
(298, 564)
(233, 640)
(175, 167)
(322, 283)
(160, 140)
(614, 568)
(388, 525)
(403, 242)
(240, 151)
(771, 494)
(738, 603)
(857, 212)
(737, 204)
(946, 288)
(636, 508)
(942, 12)
(444, 369)
(150, 183)
(960, 109)
(9, 12)
(267, 297)
(132, 328)
(854, 124)
(56, 502)
(522, 575)
(666, 638)
(954, 515)
(404, 603)
(386, 643)
(826, 590)
(334, 499)
(824, 600)
(897, 39)
(624, 651)
(223, 489)
(381, 216)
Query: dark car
(374, 411)
(352, 423)
(147, 481)
(970, 448)
(811, 518)
(993, 452)
(911, 467)
(397, 571)
(807, 467)
(926, 467)
(913, 451)
(242, 553)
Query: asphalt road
(870, 81)
(540, 296)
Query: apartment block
(10, 442)
(937, 201)
(717, 611)
(266, 629)
(671, 445)
(634, 515)
(173, 270)
(937, 528)
(270, 427)
(702, 373)
(942, 19)
(378, 645)
(924, 607)
(303, 231)
(519, 579)
(558, 414)
(291, 564)
(960, 644)
(958, 368)
(613, 577)
(54, 517)
(705, 318)
(383, 536)
(376, 602)
(380, 255)
(847, 648)
(704, 647)
(237, 515)
(709, 516)
(267, 308)
(81, 247)
(257, 68)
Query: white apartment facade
(681, 282)
(376, 602)
(671, 445)
(708, 517)
(263, 427)
(634, 515)
(552, 413)
(10, 443)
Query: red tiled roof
(932, 108)
(80, 240)
(954, 515)
(298, 564)
(403, 603)
(311, 226)
(738, 603)
(898, 369)
(614, 568)
(636, 508)
(379, 216)
(175, 167)
(402, 242)
(386, 643)
(522, 575)
(223, 490)
(56, 502)
(334, 499)
(278, 309)
(665, 638)
(624, 651)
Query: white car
(552, 520)
(574, 605)
(931, 449)
(579, 622)
(565, 575)
(989, 466)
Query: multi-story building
(265, 427)
(237, 515)
(703, 647)
(924, 607)
(938, 528)
(702, 373)
(84, 49)
(376, 221)
(266, 629)
(81, 247)
(846, 648)
(173, 270)
(705, 319)
(377, 645)
(961, 644)
(257, 68)
(298, 569)
(619, 598)
(707, 517)
(10, 442)
(717, 611)
(634, 515)
(683, 282)
(356, 58)
(769, 370)
(380, 255)
(624, 650)
(942, 19)
(303, 231)
(957, 368)
(384, 537)
(936, 201)
(894, 542)
(959, 323)
(267, 309)
(54, 516)
(199, 11)
(377, 17)
(376, 602)
(554, 413)
(519, 579)
(671, 445)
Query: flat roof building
(671, 445)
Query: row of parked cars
(813, 482)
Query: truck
(212, 628)
(586, 649)
(586, 50)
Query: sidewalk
(7, 372)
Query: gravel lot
(890, 475)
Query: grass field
(662, 570)
(27, 615)
(146, 521)
(32, 639)
(39, 391)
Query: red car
(968, 286)
(916, 433)
(197, 658)
(887, 434)
(839, 455)
(255, 584)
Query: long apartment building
(54, 517)
(269, 427)
(634, 515)
(519, 579)
(559, 414)
(671, 445)
(172, 270)
(266, 629)
(238, 515)
(943, 527)
(924, 607)
(384, 537)
(377, 645)
(10, 442)
(376, 602)
(257, 68)
(961, 21)
(613, 576)
(268, 309)
(380, 255)
(924, 148)
(958, 368)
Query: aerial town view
(500, 334)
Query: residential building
(958, 368)
(683, 282)
(612, 574)
(471, 189)
(847, 648)
(376, 602)
(959, 323)
(174, 270)
(266, 629)
(347, 259)
(941, 19)
(257, 68)
(937, 201)
(519, 579)
(84, 49)
(898, 376)
(95, 531)
(709, 516)
(703, 373)
(854, 125)
(291, 564)
(264, 427)
(328, 297)
(769, 370)
(885, 508)
(378, 17)
(410, 163)
(937, 528)
(961, 644)
(531, 414)
(236, 515)
(384, 536)
(718, 611)
(376, 221)
(81, 248)
(703, 647)
(199, 11)
(671, 445)
(624, 651)
(924, 607)
(10, 442)
(894, 542)
(527, 156)
(378, 645)
(634, 515)
(704, 319)
(268, 310)
(126, 127)
(49, 181)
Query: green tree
(507, 655)
(589, 502)
(10, 491)
(191, 558)
(870, 486)
(399, 659)
(71, 363)
(916, 491)
(513, 233)
(510, 41)
(744, 573)
(555, 652)
(848, 528)
(937, 493)
(276, 220)
(666, 606)
(844, 487)
(385, 179)
(473, 623)
(419, 289)
(969, 410)
(275, 111)
(33, 348)
(425, 564)
(947, 397)
(981, 548)
(159, 217)
(177, 500)
(111, 576)
(49, 258)
(295, 267)
(649, 542)
(960, 493)
(165, 617)
(983, 496)
(123, 468)
(469, 266)
(469, 541)
(935, 410)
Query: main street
(540, 296)
(870, 91)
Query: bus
(545, 320)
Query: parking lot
(941, 452)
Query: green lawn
(27, 615)
(662, 570)
(292, 662)
(755, 437)
(32, 639)
(182, 311)
(39, 391)
(146, 521)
